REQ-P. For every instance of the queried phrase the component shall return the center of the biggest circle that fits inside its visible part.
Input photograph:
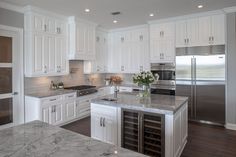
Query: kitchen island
(39, 139)
(155, 126)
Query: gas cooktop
(83, 89)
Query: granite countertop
(38, 139)
(49, 93)
(162, 104)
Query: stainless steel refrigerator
(200, 75)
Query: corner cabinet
(162, 43)
(104, 123)
(81, 39)
(46, 44)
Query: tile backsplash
(76, 77)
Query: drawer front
(125, 89)
(105, 110)
(52, 99)
(70, 96)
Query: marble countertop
(49, 93)
(162, 104)
(38, 139)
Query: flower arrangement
(144, 78)
(116, 80)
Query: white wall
(11, 18)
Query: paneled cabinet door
(90, 41)
(70, 110)
(38, 23)
(181, 33)
(177, 133)
(155, 50)
(61, 55)
(218, 29)
(97, 130)
(38, 56)
(46, 114)
(205, 31)
(168, 50)
(49, 54)
(110, 129)
(57, 114)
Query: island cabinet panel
(104, 123)
(143, 132)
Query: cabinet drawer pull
(53, 99)
(70, 96)
(103, 122)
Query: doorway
(11, 77)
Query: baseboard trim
(230, 126)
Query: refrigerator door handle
(195, 87)
(192, 87)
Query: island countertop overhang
(161, 104)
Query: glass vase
(146, 91)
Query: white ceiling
(134, 12)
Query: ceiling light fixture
(151, 15)
(115, 21)
(87, 10)
(200, 6)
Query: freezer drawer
(210, 103)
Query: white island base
(106, 125)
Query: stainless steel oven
(166, 84)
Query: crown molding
(230, 9)
(11, 7)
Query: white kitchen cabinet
(162, 43)
(82, 39)
(212, 30)
(70, 110)
(100, 64)
(55, 110)
(129, 51)
(187, 33)
(45, 41)
(104, 123)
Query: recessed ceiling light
(115, 21)
(200, 6)
(151, 15)
(87, 10)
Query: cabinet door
(38, 54)
(46, 115)
(49, 54)
(80, 38)
(204, 31)
(116, 54)
(184, 125)
(70, 110)
(61, 28)
(181, 33)
(192, 32)
(168, 49)
(38, 23)
(177, 133)
(110, 129)
(61, 56)
(50, 25)
(156, 50)
(90, 41)
(97, 131)
(57, 114)
(218, 29)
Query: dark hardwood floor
(203, 140)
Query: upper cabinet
(202, 31)
(46, 44)
(129, 51)
(212, 30)
(187, 33)
(162, 42)
(82, 39)
(99, 65)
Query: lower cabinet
(104, 123)
(55, 110)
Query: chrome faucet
(116, 90)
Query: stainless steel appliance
(83, 89)
(166, 83)
(200, 75)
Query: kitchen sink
(109, 99)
